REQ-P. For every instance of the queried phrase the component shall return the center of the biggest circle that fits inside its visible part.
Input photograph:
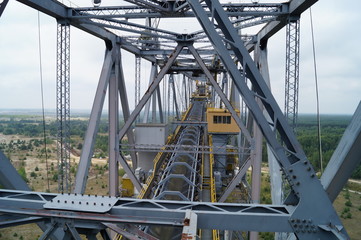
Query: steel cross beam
(222, 216)
(159, 6)
(295, 8)
(307, 190)
(133, 12)
(59, 11)
(127, 26)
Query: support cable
(42, 103)
(317, 96)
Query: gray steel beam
(126, 113)
(9, 177)
(261, 58)
(48, 232)
(286, 148)
(124, 101)
(12, 221)
(113, 145)
(153, 74)
(60, 11)
(130, 232)
(296, 7)
(134, 28)
(129, 172)
(222, 216)
(256, 158)
(52, 8)
(73, 232)
(235, 181)
(345, 158)
(175, 102)
(160, 109)
(137, 79)
(130, 12)
(89, 140)
(2, 6)
(154, 5)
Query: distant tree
(8, 131)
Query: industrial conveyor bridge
(194, 134)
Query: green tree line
(332, 129)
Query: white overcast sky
(337, 39)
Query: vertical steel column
(153, 74)
(113, 133)
(119, 73)
(225, 88)
(154, 107)
(63, 105)
(261, 57)
(292, 71)
(137, 79)
(160, 109)
(171, 82)
(185, 92)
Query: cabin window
(222, 119)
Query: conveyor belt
(180, 177)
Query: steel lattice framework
(137, 79)
(292, 70)
(221, 46)
(63, 106)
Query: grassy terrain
(349, 209)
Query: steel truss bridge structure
(183, 195)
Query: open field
(27, 154)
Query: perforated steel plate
(79, 202)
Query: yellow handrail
(215, 233)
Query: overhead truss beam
(129, 12)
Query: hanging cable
(317, 97)
(42, 103)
